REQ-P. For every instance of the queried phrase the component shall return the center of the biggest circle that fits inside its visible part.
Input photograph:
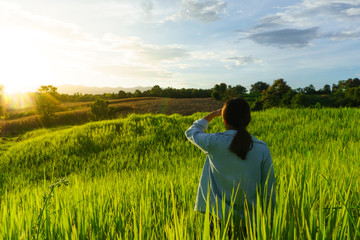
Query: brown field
(79, 112)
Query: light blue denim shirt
(224, 172)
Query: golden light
(23, 63)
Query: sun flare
(24, 63)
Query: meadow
(136, 178)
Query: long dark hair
(236, 113)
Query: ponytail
(241, 143)
(236, 113)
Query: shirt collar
(230, 132)
(233, 132)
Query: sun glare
(24, 64)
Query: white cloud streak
(353, 11)
(298, 25)
(231, 59)
(200, 10)
(146, 52)
(241, 60)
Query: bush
(257, 105)
(46, 100)
(100, 110)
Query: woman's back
(225, 173)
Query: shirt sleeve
(195, 134)
(268, 178)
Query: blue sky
(185, 43)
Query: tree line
(155, 91)
(261, 95)
(346, 93)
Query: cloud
(201, 11)
(162, 53)
(241, 60)
(135, 71)
(344, 35)
(11, 15)
(126, 12)
(353, 11)
(298, 25)
(231, 58)
(292, 38)
(143, 52)
(147, 6)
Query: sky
(177, 43)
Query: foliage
(215, 95)
(259, 87)
(224, 92)
(273, 95)
(310, 89)
(100, 110)
(287, 97)
(325, 90)
(236, 91)
(136, 178)
(257, 105)
(299, 100)
(46, 100)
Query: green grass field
(136, 178)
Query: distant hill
(71, 89)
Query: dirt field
(184, 106)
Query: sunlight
(18, 101)
(24, 64)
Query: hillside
(73, 113)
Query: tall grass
(136, 178)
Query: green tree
(219, 91)
(46, 100)
(299, 100)
(351, 83)
(286, 99)
(122, 94)
(335, 88)
(156, 91)
(233, 92)
(273, 95)
(310, 89)
(352, 96)
(326, 89)
(137, 93)
(259, 87)
(100, 110)
(215, 95)
(239, 90)
(257, 105)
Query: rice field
(137, 177)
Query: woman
(236, 163)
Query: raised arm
(210, 116)
(196, 135)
